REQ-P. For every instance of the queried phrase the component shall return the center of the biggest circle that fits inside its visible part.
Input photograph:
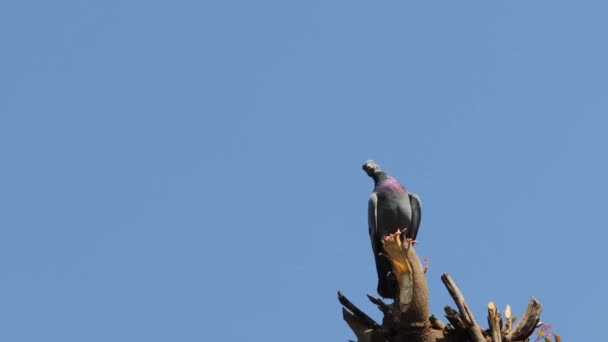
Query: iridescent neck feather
(385, 182)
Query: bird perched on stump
(391, 207)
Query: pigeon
(391, 207)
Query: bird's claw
(399, 232)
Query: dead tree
(407, 318)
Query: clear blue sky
(191, 170)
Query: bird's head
(371, 168)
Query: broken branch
(465, 313)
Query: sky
(191, 170)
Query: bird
(390, 207)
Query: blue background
(191, 171)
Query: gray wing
(387, 284)
(416, 214)
(372, 222)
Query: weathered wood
(465, 313)
(436, 323)
(454, 317)
(407, 319)
(385, 308)
(495, 322)
(528, 322)
(363, 332)
(506, 328)
(397, 254)
(411, 308)
(356, 312)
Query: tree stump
(407, 318)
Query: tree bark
(407, 318)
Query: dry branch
(407, 318)
(465, 313)
(454, 317)
(436, 323)
(528, 322)
(495, 322)
(356, 312)
(382, 306)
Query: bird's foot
(399, 232)
(411, 241)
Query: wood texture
(407, 318)
(528, 322)
(465, 313)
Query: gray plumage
(390, 207)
